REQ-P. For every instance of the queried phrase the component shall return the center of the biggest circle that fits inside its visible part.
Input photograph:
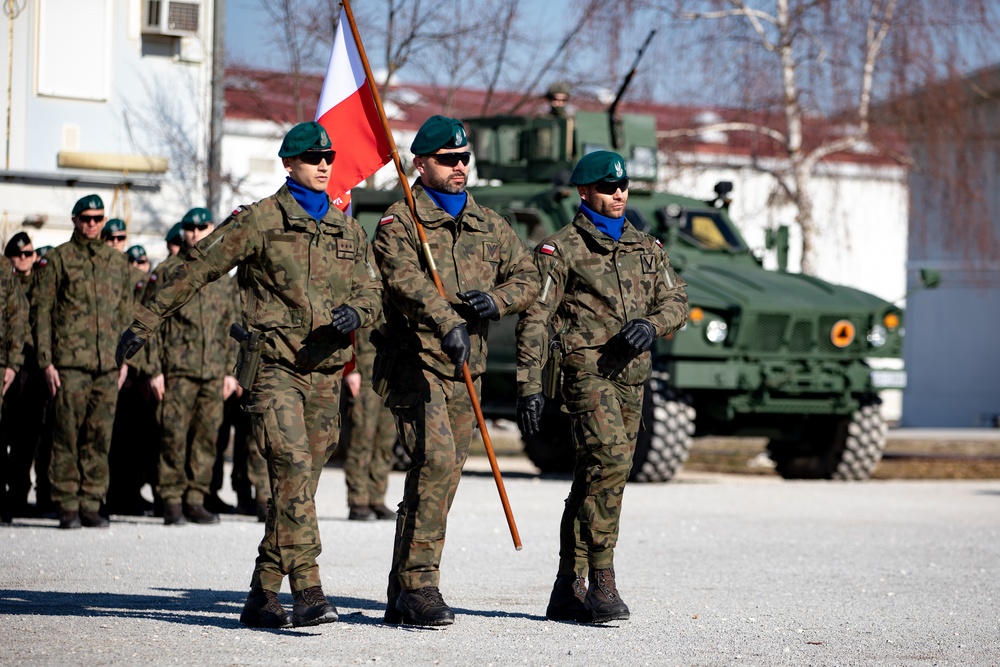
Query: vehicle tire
(552, 449)
(849, 448)
(664, 446)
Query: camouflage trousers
(435, 422)
(605, 418)
(369, 450)
(83, 418)
(296, 423)
(190, 414)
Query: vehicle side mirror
(930, 278)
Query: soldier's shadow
(198, 607)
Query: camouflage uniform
(591, 287)
(434, 416)
(373, 434)
(293, 271)
(14, 475)
(196, 352)
(83, 298)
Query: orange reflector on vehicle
(842, 333)
(891, 321)
(696, 315)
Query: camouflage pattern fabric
(17, 448)
(591, 287)
(433, 413)
(293, 271)
(435, 422)
(373, 434)
(84, 406)
(478, 252)
(83, 300)
(190, 415)
(14, 325)
(296, 423)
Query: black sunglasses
(190, 227)
(315, 157)
(451, 159)
(24, 253)
(117, 239)
(91, 218)
(609, 188)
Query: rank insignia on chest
(345, 249)
(386, 220)
(547, 249)
(648, 263)
(491, 252)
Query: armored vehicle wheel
(664, 446)
(846, 448)
(552, 449)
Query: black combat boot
(602, 598)
(173, 515)
(383, 513)
(93, 519)
(361, 513)
(312, 608)
(423, 606)
(69, 519)
(263, 610)
(198, 514)
(566, 603)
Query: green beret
(111, 226)
(197, 217)
(175, 235)
(599, 166)
(16, 244)
(439, 132)
(86, 203)
(304, 137)
(136, 253)
(41, 252)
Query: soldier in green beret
(307, 280)
(174, 239)
(115, 234)
(608, 291)
(487, 272)
(15, 454)
(84, 294)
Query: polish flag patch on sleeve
(385, 221)
(547, 249)
(658, 242)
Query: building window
(74, 49)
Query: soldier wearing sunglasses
(487, 272)
(307, 280)
(83, 295)
(17, 448)
(608, 292)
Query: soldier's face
(90, 222)
(313, 176)
(118, 241)
(609, 205)
(25, 259)
(446, 171)
(194, 234)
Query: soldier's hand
(52, 380)
(482, 303)
(8, 378)
(639, 335)
(345, 319)
(128, 345)
(529, 414)
(457, 346)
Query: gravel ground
(717, 569)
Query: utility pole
(218, 104)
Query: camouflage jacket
(591, 287)
(479, 251)
(293, 271)
(82, 301)
(27, 283)
(194, 342)
(14, 326)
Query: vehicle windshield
(708, 230)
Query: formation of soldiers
(313, 295)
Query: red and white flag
(347, 111)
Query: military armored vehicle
(764, 353)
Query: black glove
(482, 303)
(529, 414)
(638, 335)
(345, 319)
(457, 346)
(128, 345)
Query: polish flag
(347, 111)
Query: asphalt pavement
(717, 570)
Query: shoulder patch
(385, 220)
(547, 249)
(658, 241)
(138, 286)
(43, 262)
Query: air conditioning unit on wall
(171, 18)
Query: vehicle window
(710, 232)
(637, 219)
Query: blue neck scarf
(316, 204)
(610, 226)
(449, 203)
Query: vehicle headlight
(716, 331)
(877, 336)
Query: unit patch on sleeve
(386, 220)
(547, 249)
